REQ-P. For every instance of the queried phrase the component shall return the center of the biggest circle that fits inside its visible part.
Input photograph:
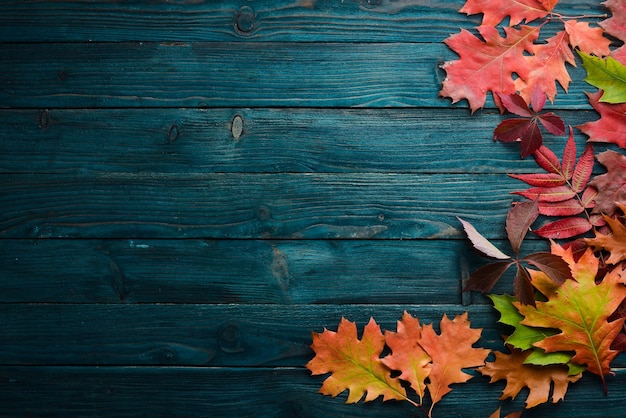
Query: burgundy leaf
(553, 123)
(531, 141)
(548, 194)
(481, 243)
(516, 104)
(568, 207)
(583, 170)
(547, 160)
(522, 288)
(519, 219)
(564, 228)
(485, 277)
(538, 98)
(540, 179)
(552, 265)
(511, 130)
(569, 156)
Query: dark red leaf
(548, 194)
(519, 219)
(564, 228)
(531, 141)
(547, 160)
(552, 265)
(568, 207)
(583, 170)
(569, 156)
(553, 123)
(540, 179)
(516, 104)
(522, 288)
(485, 277)
(538, 98)
(511, 130)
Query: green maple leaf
(607, 74)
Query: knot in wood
(229, 339)
(172, 134)
(244, 20)
(236, 127)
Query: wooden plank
(268, 140)
(231, 271)
(276, 392)
(146, 74)
(298, 206)
(265, 20)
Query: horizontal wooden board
(262, 141)
(240, 271)
(150, 74)
(298, 206)
(277, 392)
(265, 20)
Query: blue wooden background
(189, 188)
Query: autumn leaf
(526, 129)
(614, 243)
(519, 375)
(451, 352)
(580, 309)
(487, 65)
(407, 355)
(611, 127)
(616, 26)
(496, 414)
(611, 186)
(589, 40)
(354, 364)
(517, 10)
(607, 74)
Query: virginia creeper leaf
(522, 288)
(611, 186)
(485, 277)
(607, 74)
(487, 65)
(518, 221)
(517, 10)
(589, 40)
(611, 127)
(451, 352)
(580, 309)
(354, 364)
(564, 228)
(552, 265)
(538, 379)
(407, 355)
(614, 243)
(481, 243)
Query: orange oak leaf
(407, 355)
(611, 127)
(538, 379)
(487, 65)
(548, 67)
(494, 11)
(580, 309)
(496, 414)
(451, 351)
(614, 243)
(589, 40)
(354, 364)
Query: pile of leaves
(567, 309)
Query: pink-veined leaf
(547, 160)
(552, 265)
(548, 194)
(588, 197)
(569, 156)
(518, 221)
(540, 179)
(553, 123)
(564, 228)
(485, 277)
(568, 207)
(481, 243)
(583, 170)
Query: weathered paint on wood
(151, 74)
(295, 140)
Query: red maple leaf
(487, 65)
(611, 127)
(494, 11)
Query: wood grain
(295, 140)
(262, 21)
(149, 74)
